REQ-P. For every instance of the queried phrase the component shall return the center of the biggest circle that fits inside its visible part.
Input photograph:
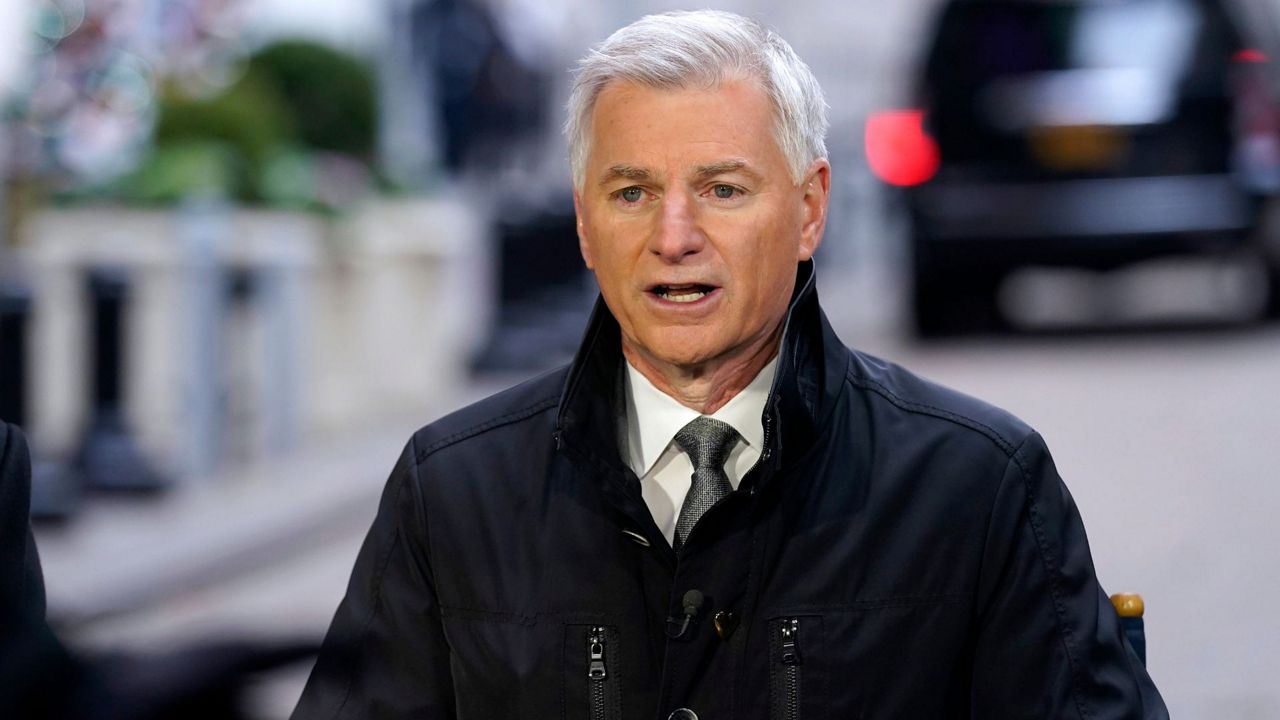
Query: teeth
(683, 296)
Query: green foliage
(183, 169)
(331, 95)
(250, 116)
(247, 121)
(255, 141)
(289, 180)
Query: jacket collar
(811, 366)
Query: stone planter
(248, 332)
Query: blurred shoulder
(13, 448)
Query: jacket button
(726, 622)
(683, 714)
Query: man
(717, 510)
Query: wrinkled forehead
(658, 135)
(709, 83)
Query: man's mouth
(687, 293)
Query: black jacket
(21, 582)
(900, 551)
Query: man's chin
(688, 362)
(684, 353)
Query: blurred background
(248, 246)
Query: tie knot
(707, 441)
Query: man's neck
(705, 387)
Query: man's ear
(817, 191)
(582, 238)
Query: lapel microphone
(692, 603)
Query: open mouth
(687, 293)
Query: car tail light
(1249, 55)
(1257, 123)
(899, 150)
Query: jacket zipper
(767, 417)
(765, 453)
(768, 449)
(597, 673)
(788, 704)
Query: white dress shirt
(665, 471)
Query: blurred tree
(216, 145)
(269, 136)
(331, 95)
(250, 116)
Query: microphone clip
(691, 603)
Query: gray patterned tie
(707, 442)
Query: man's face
(692, 222)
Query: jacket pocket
(795, 668)
(593, 673)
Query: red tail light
(1249, 55)
(899, 150)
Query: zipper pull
(768, 426)
(595, 650)
(791, 642)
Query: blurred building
(267, 294)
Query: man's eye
(631, 194)
(724, 192)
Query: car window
(1002, 70)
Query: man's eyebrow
(625, 172)
(706, 172)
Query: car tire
(1271, 307)
(1267, 240)
(959, 301)
(929, 305)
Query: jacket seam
(978, 615)
(903, 601)
(376, 600)
(752, 600)
(429, 572)
(488, 615)
(420, 507)
(925, 409)
(1055, 581)
(500, 616)
(490, 424)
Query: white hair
(703, 48)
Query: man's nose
(677, 233)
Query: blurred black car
(1081, 133)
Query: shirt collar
(654, 418)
